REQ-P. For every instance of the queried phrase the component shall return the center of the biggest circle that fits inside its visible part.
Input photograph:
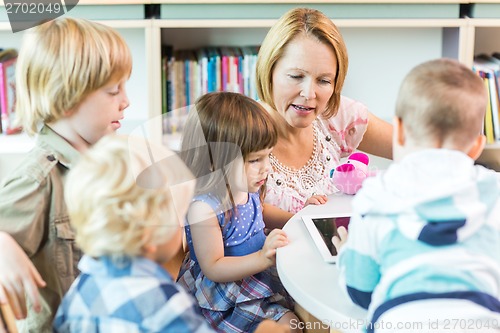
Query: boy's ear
(69, 112)
(399, 131)
(149, 248)
(478, 147)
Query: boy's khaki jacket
(33, 211)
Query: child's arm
(357, 260)
(209, 248)
(25, 200)
(275, 217)
(17, 277)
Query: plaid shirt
(126, 295)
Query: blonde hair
(119, 199)
(442, 100)
(60, 63)
(311, 23)
(220, 128)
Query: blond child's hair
(442, 101)
(296, 22)
(125, 193)
(60, 63)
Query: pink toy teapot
(348, 177)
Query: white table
(312, 282)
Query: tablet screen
(322, 228)
(327, 227)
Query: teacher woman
(301, 68)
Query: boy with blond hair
(70, 78)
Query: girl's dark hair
(222, 127)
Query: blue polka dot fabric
(243, 233)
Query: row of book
(488, 67)
(189, 74)
(8, 58)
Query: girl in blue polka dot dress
(230, 268)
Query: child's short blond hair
(119, 199)
(441, 101)
(60, 63)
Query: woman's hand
(316, 199)
(18, 277)
(339, 241)
(276, 238)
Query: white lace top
(334, 138)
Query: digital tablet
(322, 228)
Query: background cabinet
(385, 39)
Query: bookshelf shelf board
(492, 146)
(400, 23)
(103, 2)
(272, 10)
(486, 10)
(132, 24)
(307, 2)
(303, 2)
(114, 2)
(5, 26)
(484, 22)
(207, 23)
(353, 23)
(16, 143)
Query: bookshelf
(483, 29)
(384, 38)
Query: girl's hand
(339, 241)
(18, 277)
(276, 238)
(316, 199)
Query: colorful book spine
(488, 119)
(493, 94)
(8, 95)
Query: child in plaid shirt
(127, 224)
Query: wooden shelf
(351, 23)
(16, 143)
(307, 2)
(103, 2)
(341, 10)
(490, 156)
